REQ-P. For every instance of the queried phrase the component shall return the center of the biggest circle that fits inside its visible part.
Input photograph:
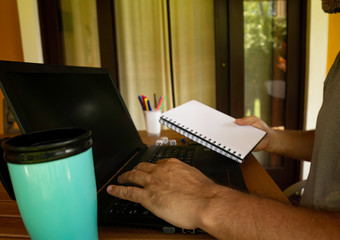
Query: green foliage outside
(264, 32)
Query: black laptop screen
(47, 100)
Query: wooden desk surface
(256, 178)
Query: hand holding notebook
(213, 129)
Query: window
(257, 67)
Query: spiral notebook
(213, 129)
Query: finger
(134, 194)
(249, 120)
(136, 177)
(145, 167)
(169, 160)
(252, 121)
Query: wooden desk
(256, 178)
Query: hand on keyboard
(171, 189)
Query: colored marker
(160, 103)
(149, 106)
(155, 100)
(141, 102)
(146, 104)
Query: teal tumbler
(52, 174)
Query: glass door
(260, 62)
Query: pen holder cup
(52, 175)
(153, 126)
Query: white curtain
(143, 52)
(192, 27)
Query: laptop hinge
(118, 172)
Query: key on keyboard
(180, 152)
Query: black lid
(44, 146)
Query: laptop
(43, 97)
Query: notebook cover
(213, 129)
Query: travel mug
(53, 179)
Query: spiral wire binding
(195, 136)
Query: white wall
(317, 66)
(30, 30)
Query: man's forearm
(293, 144)
(235, 215)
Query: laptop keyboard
(124, 207)
(180, 152)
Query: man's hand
(184, 197)
(170, 189)
(290, 143)
(258, 123)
